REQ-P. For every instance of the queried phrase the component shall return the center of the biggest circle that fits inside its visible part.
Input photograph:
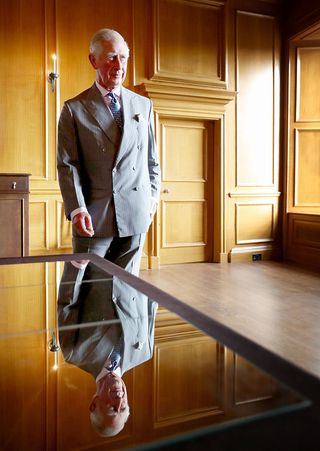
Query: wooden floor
(277, 305)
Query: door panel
(185, 203)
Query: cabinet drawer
(14, 183)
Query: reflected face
(111, 400)
(110, 63)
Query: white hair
(105, 34)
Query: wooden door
(185, 210)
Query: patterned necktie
(113, 361)
(115, 356)
(115, 109)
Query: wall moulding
(244, 253)
(195, 93)
(256, 194)
(39, 224)
(63, 228)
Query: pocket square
(138, 117)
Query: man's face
(110, 63)
(111, 400)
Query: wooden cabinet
(14, 215)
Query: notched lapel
(97, 108)
(129, 123)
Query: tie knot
(115, 109)
(112, 97)
(114, 103)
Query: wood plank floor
(275, 304)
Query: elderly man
(109, 408)
(106, 328)
(108, 166)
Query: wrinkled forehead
(115, 46)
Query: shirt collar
(104, 91)
(104, 372)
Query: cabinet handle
(166, 191)
(14, 185)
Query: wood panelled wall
(230, 79)
(254, 188)
(210, 81)
(302, 216)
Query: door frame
(207, 105)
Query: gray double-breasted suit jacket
(90, 298)
(112, 174)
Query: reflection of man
(112, 331)
(109, 409)
(107, 162)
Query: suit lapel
(129, 122)
(94, 103)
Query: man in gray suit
(106, 328)
(108, 166)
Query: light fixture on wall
(53, 343)
(54, 347)
(53, 76)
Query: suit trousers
(122, 251)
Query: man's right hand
(83, 224)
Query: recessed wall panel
(306, 232)
(185, 158)
(23, 85)
(23, 297)
(307, 79)
(250, 385)
(182, 226)
(307, 168)
(255, 111)
(64, 228)
(303, 239)
(254, 222)
(187, 400)
(38, 225)
(189, 38)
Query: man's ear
(93, 403)
(92, 60)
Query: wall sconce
(53, 343)
(52, 77)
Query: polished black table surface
(181, 380)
